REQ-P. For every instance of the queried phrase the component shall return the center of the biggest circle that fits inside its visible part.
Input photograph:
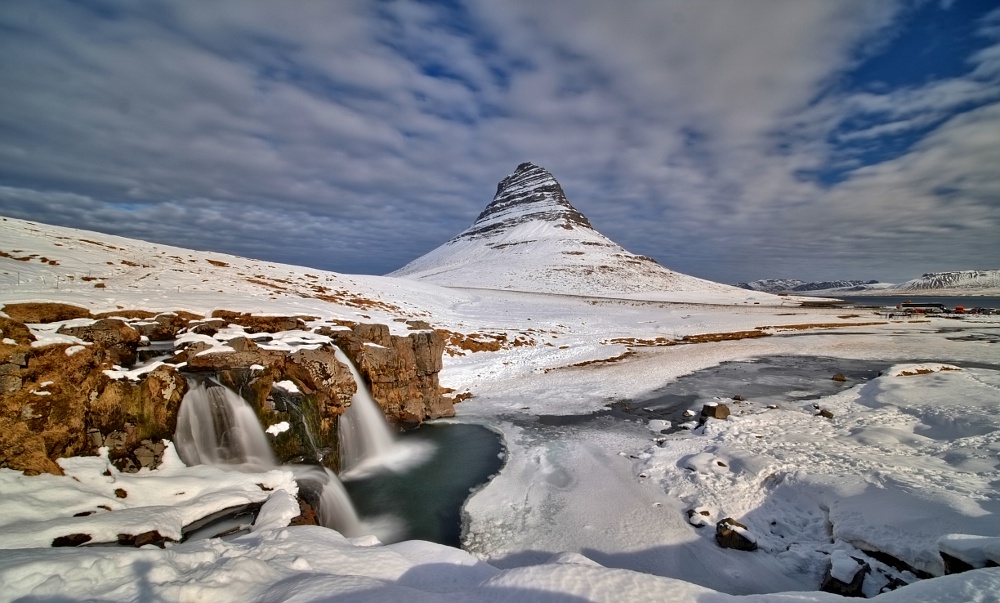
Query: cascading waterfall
(363, 431)
(217, 427)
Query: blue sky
(731, 140)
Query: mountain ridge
(530, 238)
(979, 282)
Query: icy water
(428, 498)
(950, 302)
(766, 380)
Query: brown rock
(714, 411)
(246, 354)
(37, 429)
(824, 413)
(307, 515)
(162, 327)
(117, 337)
(402, 372)
(261, 324)
(730, 538)
(44, 312)
(839, 377)
(140, 540)
(71, 540)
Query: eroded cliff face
(67, 399)
(402, 372)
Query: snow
(977, 551)
(288, 386)
(278, 428)
(593, 511)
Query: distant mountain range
(791, 285)
(980, 282)
(529, 238)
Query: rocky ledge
(76, 386)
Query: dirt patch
(458, 344)
(925, 371)
(218, 263)
(44, 312)
(735, 335)
(821, 325)
(635, 341)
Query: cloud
(694, 132)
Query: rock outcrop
(402, 372)
(64, 399)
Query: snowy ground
(588, 511)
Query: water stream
(217, 427)
(364, 434)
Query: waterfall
(364, 433)
(217, 427)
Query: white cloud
(679, 128)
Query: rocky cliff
(77, 391)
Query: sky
(728, 139)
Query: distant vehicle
(923, 308)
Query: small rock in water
(839, 377)
(714, 411)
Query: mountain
(961, 280)
(530, 238)
(789, 285)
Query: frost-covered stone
(731, 534)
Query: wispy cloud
(728, 139)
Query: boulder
(846, 576)
(714, 411)
(245, 353)
(162, 327)
(117, 337)
(261, 324)
(731, 534)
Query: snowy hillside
(594, 502)
(964, 280)
(531, 239)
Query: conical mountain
(530, 238)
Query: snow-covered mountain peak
(530, 193)
(530, 238)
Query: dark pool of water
(428, 498)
